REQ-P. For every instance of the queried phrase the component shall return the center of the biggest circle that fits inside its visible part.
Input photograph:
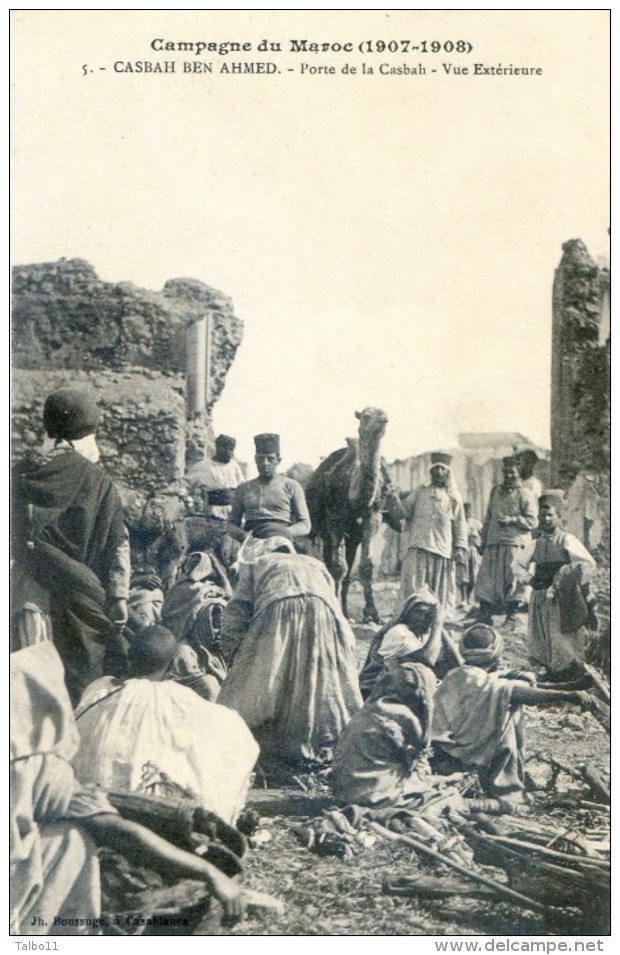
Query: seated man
(380, 759)
(54, 870)
(418, 626)
(126, 724)
(271, 497)
(193, 611)
(477, 713)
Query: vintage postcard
(310, 618)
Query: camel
(348, 496)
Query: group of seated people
(436, 706)
(290, 685)
(218, 681)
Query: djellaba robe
(71, 555)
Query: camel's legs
(350, 552)
(334, 559)
(371, 613)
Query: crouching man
(477, 717)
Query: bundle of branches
(344, 832)
(555, 867)
(186, 824)
(136, 900)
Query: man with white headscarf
(437, 534)
(477, 713)
(415, 631)
(293, 676)
(380, 759)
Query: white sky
(387, 240)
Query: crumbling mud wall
(141, 435)
(65, 317)
(580, 406)
(580, 395)
(129, 346)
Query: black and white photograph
(310, 514)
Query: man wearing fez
(71, 548)
(270, 498)
(437, 534)
(510, 518)
(562, 604)
(218, 479)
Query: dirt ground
(325, 895)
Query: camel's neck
(366, 477)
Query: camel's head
(372, 421)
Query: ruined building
(157, 362)
(580, 394)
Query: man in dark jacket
(71, 548)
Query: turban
(440, 457)
(70, 414)
(423, 595)
(267, 443)
(481, 656)
(197, 565)
(555, 498)
(412, 685)
(400, 642)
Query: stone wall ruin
(130, 346)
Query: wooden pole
(468, 873)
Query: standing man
(526, 461)
(218, 479)
(467, 574)
(561, 605)
(437, 535)
(511, 516)
(270, 498)
(71, 573)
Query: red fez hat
(509, 461)
(225, 441)
(440, 457)
(267, 443)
